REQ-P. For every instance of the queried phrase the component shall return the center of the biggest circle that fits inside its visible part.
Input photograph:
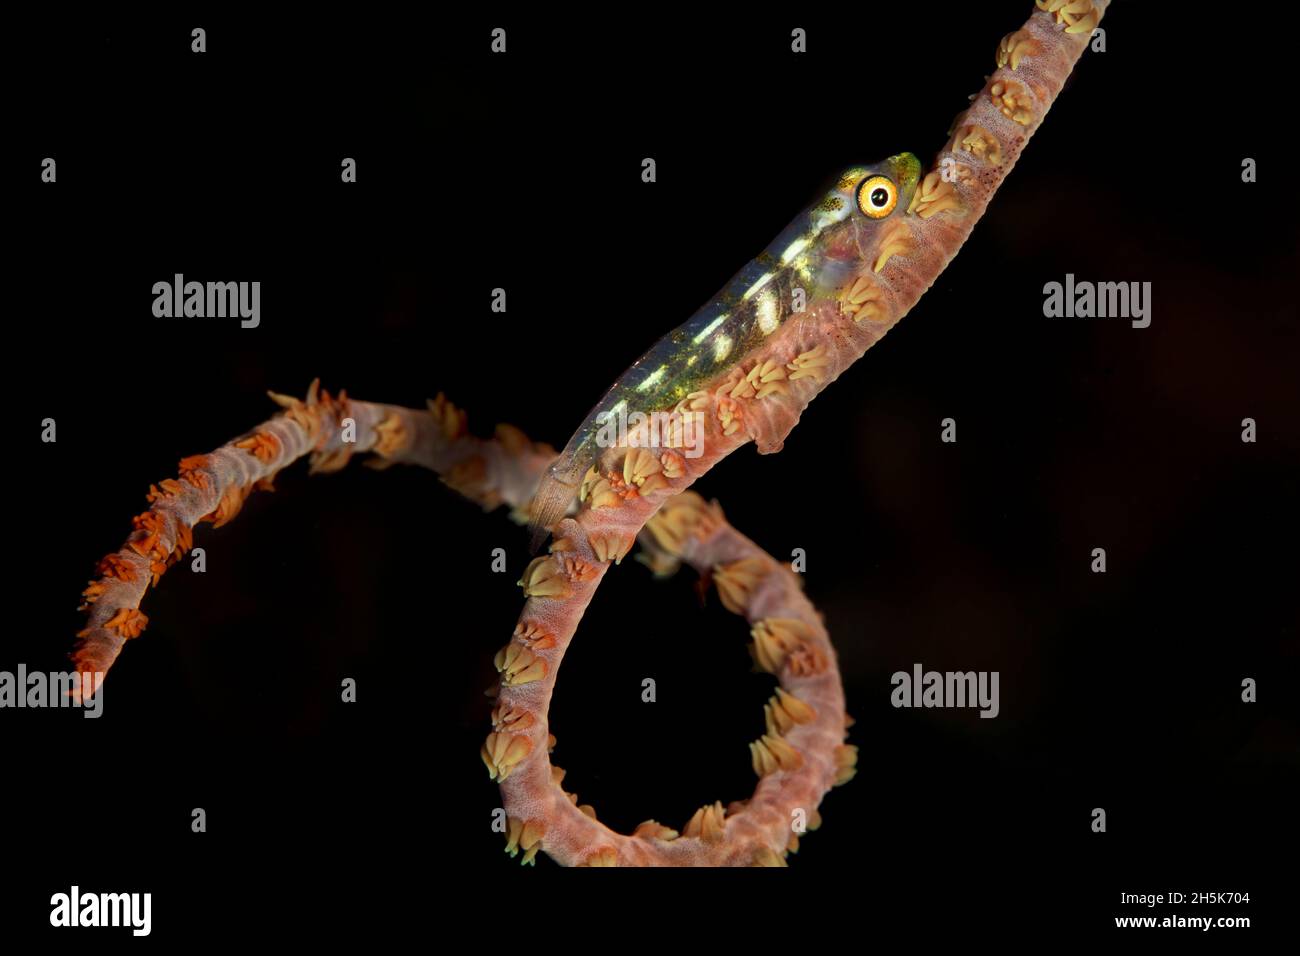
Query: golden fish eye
(877, 196)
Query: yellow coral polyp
(1078, 16)
(707, 824)
(781, 641)
(639, 465)
(811, 364)
(526, 836)
(895, 240)
(784, 711)
(766, 377)
(451, 421)
(518, 665)
(980, 143)
(682, 517)
(729, 415)
(1013, 101)
(1015, 47)
(771, 753)
(501, 753)
(864, 300)
(544, 577)
(933, 196)
(736, 582)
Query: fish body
(811, 260)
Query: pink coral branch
(760, 399)
(213, 488)
(800, 757)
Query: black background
(475, 171)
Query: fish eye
(877, 196)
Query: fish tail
(555, 493)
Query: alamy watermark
(103, 909)
(56, 689)
(208, 300)
(1098, 300)
(619, 427)
(922, 688)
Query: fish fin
(549, 505)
